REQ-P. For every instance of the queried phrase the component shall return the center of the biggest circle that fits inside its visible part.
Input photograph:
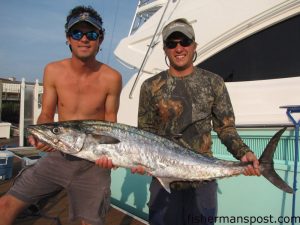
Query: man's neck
(180, 73)
(83, 65)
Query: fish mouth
(41, 136)
(37, 132)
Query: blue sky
(32, 34)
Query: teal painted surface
(241, 200)
(257, 141)
(252, 197)
(130, 192)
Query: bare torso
(82, 94)
(81, 97)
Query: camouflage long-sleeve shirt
(187, 109)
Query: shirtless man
(79, 88)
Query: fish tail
(267, 164)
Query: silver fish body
(129, 147)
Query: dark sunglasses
(91, 35)
(185, 42)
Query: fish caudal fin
(267, 164)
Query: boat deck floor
(55, 209)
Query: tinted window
(269, 54)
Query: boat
(254, 45)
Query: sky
(32, 34)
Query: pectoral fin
(105, 139)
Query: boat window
(145, 2)
(141, 18)
(269, 54)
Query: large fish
(129, 147)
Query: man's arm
(146, 117)
(251, 169)
(224, 125)
(113, 98)
(111, 110)
(49, 103)
(50, 97)
(147, 112)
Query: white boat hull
(218, 24)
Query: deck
(55, 210)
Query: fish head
(67, 137)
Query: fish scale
(128, 147)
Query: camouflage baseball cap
(179, 25)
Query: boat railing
(148, 50)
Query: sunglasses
(185, 42)
(91, 35)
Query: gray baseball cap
(84, 17)
(179, 25)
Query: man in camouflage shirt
(183, 104)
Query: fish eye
(55, 130)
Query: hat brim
(75, 20)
